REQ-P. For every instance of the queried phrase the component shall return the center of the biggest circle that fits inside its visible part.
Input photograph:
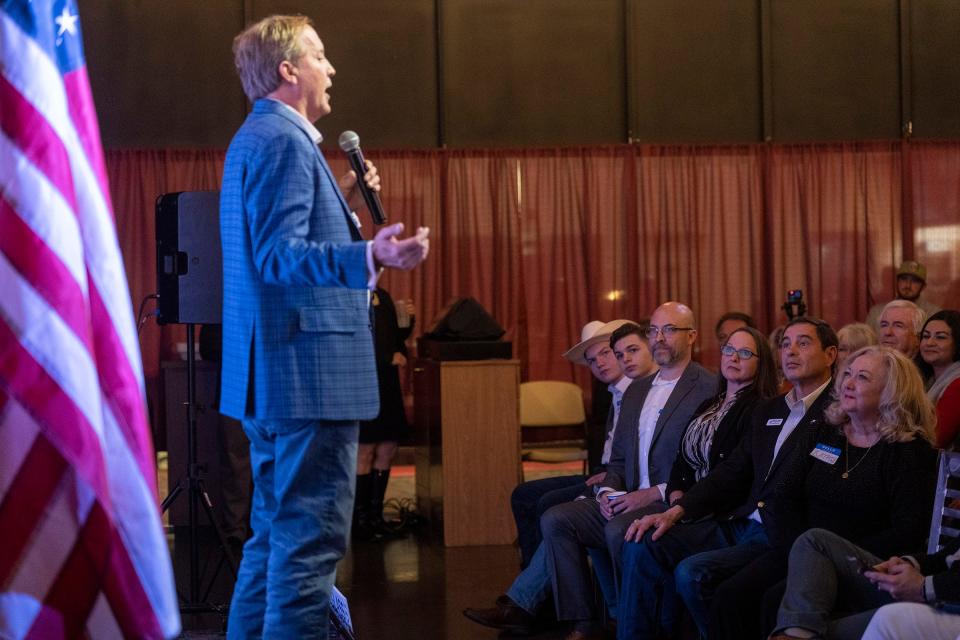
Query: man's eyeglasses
(668, 331)
(745, 354)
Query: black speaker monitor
(189, 262)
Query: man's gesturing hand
(404, 254)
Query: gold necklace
(846, 462)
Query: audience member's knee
(518, 498)
(613, 533)
(554, 520)
(687, 574)
(813, 539)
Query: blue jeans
(303, 475)
(687, 562)
(532, 587)
(531, 499)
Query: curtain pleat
(548, 239)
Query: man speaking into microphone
(298, 363)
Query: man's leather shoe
(506, 616)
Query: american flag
(82, 550)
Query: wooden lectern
(467, 436)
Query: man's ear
(288, 72)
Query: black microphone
(350, 145)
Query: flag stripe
(66, 426)
(31, 132)
(54, 347)
(74, 592)
(80, 106)
(32, 258)
(42, 208)
(24, 505)
(126, 399)
(124, 589)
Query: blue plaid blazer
(297, 339)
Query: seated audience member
(655, 412)
(530, 499)
(729, 321)
(853, 337)
(887, 411)
(900, 323)
(939, 362)
(748, 378)
(516, 610)
(910, 283)
(868, 482)
(737, 512)
(928, 590)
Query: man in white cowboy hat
(516, 610)
(911, 281)
(530, 499)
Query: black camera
(794, 306)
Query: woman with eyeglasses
(748, 376)
(939, 362)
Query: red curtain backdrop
(548, 239)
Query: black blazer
(748, 473)
(729, 432)
(946, 580)
(695, 385)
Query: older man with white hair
(899, 326)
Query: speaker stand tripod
(192, 485)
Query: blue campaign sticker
(826, 453)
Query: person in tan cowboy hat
(911, 281)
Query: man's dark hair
(625, 330)
(825, 333)
(735, 315)
(952, 318)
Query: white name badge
(826, 453)
(774, 422)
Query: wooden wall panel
(481, 73)
(536, 72)
(694, 70)
(835, 68)
(935, 68)
(385, 54)
(162, 72)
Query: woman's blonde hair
(261, 47)
(905, 411)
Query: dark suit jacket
(946, 580)
(737, 423)
(695, 385)
(747, 481)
